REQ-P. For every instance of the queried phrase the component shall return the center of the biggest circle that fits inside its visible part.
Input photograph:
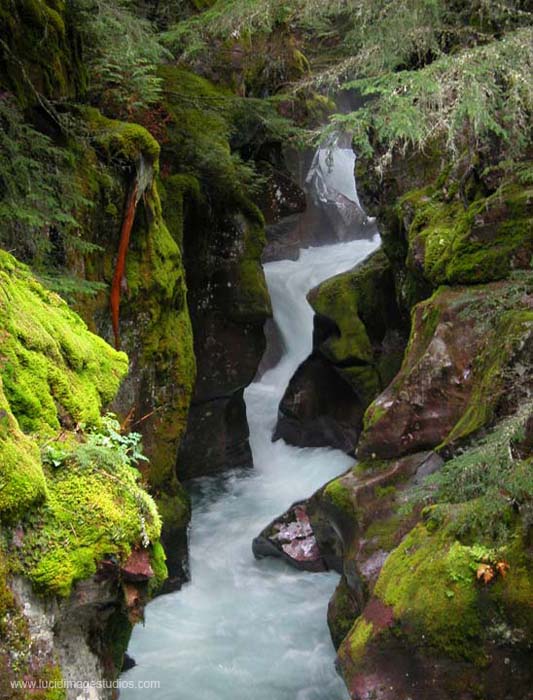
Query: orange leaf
(485, 573)
(502, 567)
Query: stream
(244, 629)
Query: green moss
(489, 370)
(512, 594)
(358, 638)
(498, 319)
(359, 304)
(52, 677)
(384, 533)
(22, 481)
(52, 366)
(342, 611)
(250, 300)
(54, 372)
(122, 141)
(340, 495)
(158, 561)
(174, 191)
(472, 245)
(339, 299)
(42, 55)
(429, 581)
(90, 514)
(118, 634)
(174, 506)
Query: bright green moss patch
(95, 509)
(22, 481)
(122, 140)
(86, 504)
(358, 638)
(159, 566)
(340, 495)
(52, 367)
(429, 580)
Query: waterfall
(244, 629)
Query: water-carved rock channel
(245, 629)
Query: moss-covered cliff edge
(78, 531)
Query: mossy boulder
(358, 325)
(155, 328)
(358, 343)
(207, 203)
(55, 378)
(440, 626)
(484, 242)
(459, 363)
(72, 508)
(122, 143)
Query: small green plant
(109, 435)
(54, 455)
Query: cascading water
(244, 629)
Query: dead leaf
(502, 567)
(485, 573)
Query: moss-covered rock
(155, 327)
(72, 509)
(484, 242)
(358, 343)
(452, 629)
(464, 343)
(207, 202)
(365, 342)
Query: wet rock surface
(441, 392)
(291, 537)
(229, 305)
(358, 343)
(319, 409)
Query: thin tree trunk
(125, 232)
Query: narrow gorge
(266, 350)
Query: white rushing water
(244, 629)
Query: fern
(123, 51)
(38, 189)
